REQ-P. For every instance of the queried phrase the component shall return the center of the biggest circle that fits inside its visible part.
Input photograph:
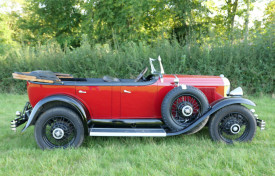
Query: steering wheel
(141, 74)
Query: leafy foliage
(192, 37)
(109, 21)
(270, 14)
(51, 19)
(245, 64)
(6, 33)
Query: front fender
(214, 107)
(57, 98)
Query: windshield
(153, 70)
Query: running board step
(150, 132)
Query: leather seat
(110, 79)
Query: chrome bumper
(21, 117)
(260, 123)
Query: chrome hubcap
(58, 133)
(187, 110)
(235, 128)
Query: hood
(195, 80)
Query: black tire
(222, 124)
(68, 128)
(167, 108)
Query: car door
(138, 101)
(98, 99)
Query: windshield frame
(153, 70)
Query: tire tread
(214, 120)
(58, 110)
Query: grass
(180, 155)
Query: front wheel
(234, 123)
(59, 128)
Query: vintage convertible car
(65, 110)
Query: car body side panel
(116, 99)
(144, 101)
(138, 101)
(37, 92)
(205, 83)
(98, 98)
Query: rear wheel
(233, 123)
(59, 128)
(181, 107)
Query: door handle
(126, 91)
(81, 91)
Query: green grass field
(180, 155)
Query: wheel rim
(185, 109)
(233, 127)
(59, 132)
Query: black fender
(214, 107)
(76, 104)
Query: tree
(51, 19)
(7, 25)
(270, 14)
(224, 23)
(247, 19)
(123, 20)
(189, 18)
(5, 35)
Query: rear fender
(72, 102)
(214, 107)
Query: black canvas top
(40, 74)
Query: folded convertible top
(41, 76)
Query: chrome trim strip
(135, 132)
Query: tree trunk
(234, 10)
(231, 13)
(247, 20)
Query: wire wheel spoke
(59, 132)
(185, 109)
(233, 127)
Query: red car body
(158, 105)
(113, 102)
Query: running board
(138, 132)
